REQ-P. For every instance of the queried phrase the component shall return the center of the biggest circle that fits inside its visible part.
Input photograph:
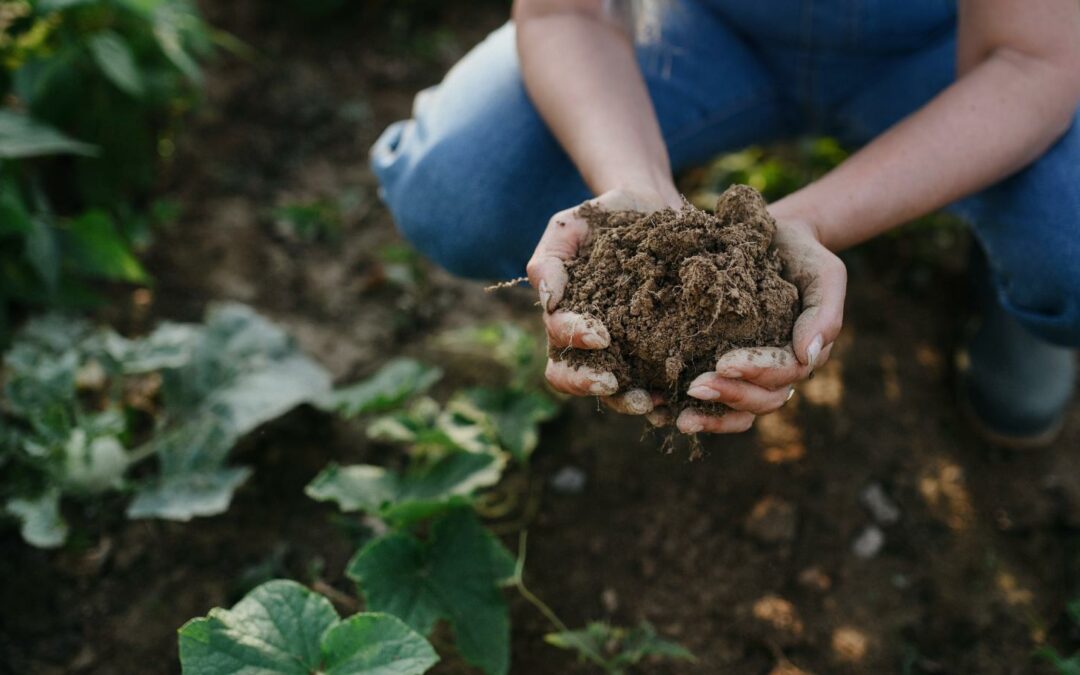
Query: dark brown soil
(677, 289)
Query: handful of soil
(677, 289)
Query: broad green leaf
(615, 648)
(184, 496)
(394, 383)
(169, 40)
(455, 575)
(260, 396)
(114, 57)
(22, 136)
(283, 628)
(96, 248)
(41, 522)
(508, 344)
(515, 415)
(401, 499)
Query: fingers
(739, 394)
(580, 380)
(769, 367)
(569, 329)
(546, 270)
(660, 416)
(691, 421)
(823, 310)
(632, 402)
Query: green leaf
(93, 465)
(114, 57)
(22, 136)
(615, 648)
(184, 496)
(396, 382)
(1070, 666)
(96, 248)
(283, 628)
(403, 499)
(515, 416)
(41, 522)
(167, 33)
(43, 252)
(454, 576)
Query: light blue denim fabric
(473, 177)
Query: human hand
(565, 233)
(759, 380)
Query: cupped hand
(565, 233)
(760, 380)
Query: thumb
(823, 310)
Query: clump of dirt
(676, 289)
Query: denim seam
(712, 119)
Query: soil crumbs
(677, 289)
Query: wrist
(789, 213)
(656, 185)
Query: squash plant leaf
(454, 575)
(241, 371)
(41, 522)
(614, 648)
(402, 499)
(282, 628)
(514, 415)
(396, 382)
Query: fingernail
(814, 350)
(545, 295)
(691, 427)
(703, 393)
(604, 384)
(593, 341)
(638, 402)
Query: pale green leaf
(401, 499)
(390, 387)
(40, 519)
(282, 628)
(514, 414)
(455, 575)
(184, 496)
(22, 136)
(615, 648)
(116, 61)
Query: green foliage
(508, 344)
(317, 220)
(454, 575)
(424, 491)
(68, 412)
(614, 649)
(283, 628)
(395, 383)
(90, 87)
(1070, 665)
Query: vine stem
(549, 614)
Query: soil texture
(678, 289)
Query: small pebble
(881, 507)
(772, 521)
(869, 542)
(568, 480)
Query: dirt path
(747, 556)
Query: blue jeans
(473, 177)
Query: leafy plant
(283, 628)
(92, 89)
(454, 574)
(1070, 665)
(394, 383)
(74, 397)
(614, 649)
